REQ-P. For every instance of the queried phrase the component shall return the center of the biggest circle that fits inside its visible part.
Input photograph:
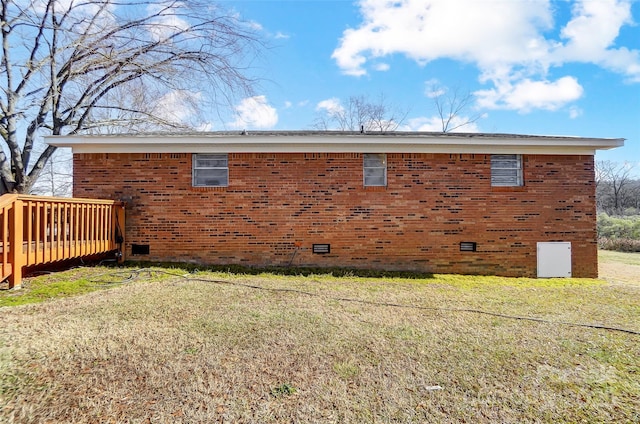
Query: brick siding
(278, 204)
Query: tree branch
(75, 54)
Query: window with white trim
(210, 170)
(506, 170)
(374, 169)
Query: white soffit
(334, 142)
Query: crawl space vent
(321, 248)
(468, 246)
(139, 249)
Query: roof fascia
(334, 144)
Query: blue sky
(533, 66)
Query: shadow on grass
(282, 270)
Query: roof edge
(331, 142)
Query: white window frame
(506, 171)
(197, 180)
(374, 171)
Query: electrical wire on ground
(115, 278)
(134, 275)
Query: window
(506, 170)
(210, 170)
(375, 169)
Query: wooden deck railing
(37, 230)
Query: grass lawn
(611, 257)
(166, 346)
(619, 268)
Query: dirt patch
(620, 273)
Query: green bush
(613, 227)
(619, 233)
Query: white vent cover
(554, 259)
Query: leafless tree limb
(616, 188)
(451, 107)
(361, 114)
(84, 65)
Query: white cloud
(83, 14)
(526, 95)
(508, 42)
(593, 28)
(167, 21)
(331, 105)
(434, 124)
(591, 33)
(255, 112)
(428, 30)
(280, 36)
(382, 67)
(205, 127)
(256, 26)
(574, 112)
(287, 104)
(433, 88)
(178, 105)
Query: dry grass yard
(272, 349)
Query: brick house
(512, 205)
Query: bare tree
(360, 114)
(452, 107)
(56, 178)
(93, 65)
(615, 186)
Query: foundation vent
(321, 248)
(468, 246)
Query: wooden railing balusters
(37, 230)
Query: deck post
(16, 224)
(118, 212)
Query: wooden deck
(52, 229)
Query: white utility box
(554, 259)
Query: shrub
(612, 227)
(619, 244)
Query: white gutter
(334, 142)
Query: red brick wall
(279, 203)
